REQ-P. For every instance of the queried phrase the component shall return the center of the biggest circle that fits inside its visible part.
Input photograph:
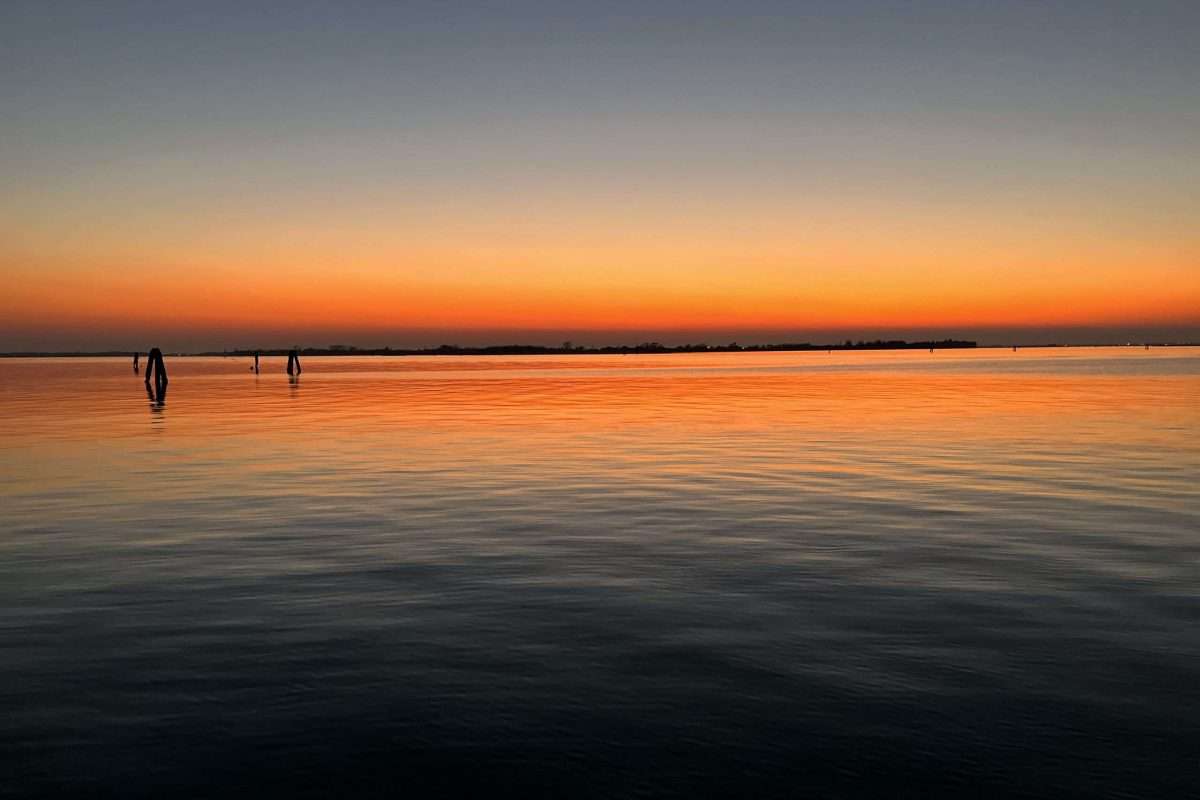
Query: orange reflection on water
(961, 420)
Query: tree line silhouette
(568, 348)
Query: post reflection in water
(776, 574)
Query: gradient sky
(208, 175)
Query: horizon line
(643, 348)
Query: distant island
(568, 348)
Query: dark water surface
(810, 574)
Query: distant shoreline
(639, 349)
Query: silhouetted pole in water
(256, 363)
(155, 367)
(135, 362)
(294, 358)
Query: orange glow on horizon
(913, 272)
(199, 301)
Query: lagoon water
(778, 574)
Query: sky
(210, 175)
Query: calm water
(899, 574)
